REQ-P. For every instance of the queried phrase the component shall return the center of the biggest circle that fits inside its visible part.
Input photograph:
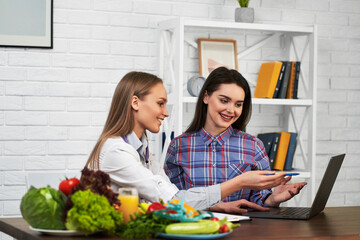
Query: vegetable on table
(43, 208)
(200, 227)
(143, 207)
(68, 184)
(92, 212)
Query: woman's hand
(237, 207)
(259, 180)
(284, 192)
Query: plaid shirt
(198, 159)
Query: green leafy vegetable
(143, 226)
(43, 208)
(92, 212)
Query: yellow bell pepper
(189, 210)
(142, 208)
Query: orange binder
(267, 79)
(282, 151)
(290, 90)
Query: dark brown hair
(217, 77)
(120, 120)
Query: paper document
(231, 217)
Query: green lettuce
(92, 212)
(43, 208)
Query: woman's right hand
(259, 180)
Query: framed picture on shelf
(214, 53)
(26, 23)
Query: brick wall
(53, 103)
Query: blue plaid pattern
(198, 160)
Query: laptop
(322, 195)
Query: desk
(333, 223)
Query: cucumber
(201, 227)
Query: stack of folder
(280, 148)
(278, 80)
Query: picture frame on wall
(214, 53)
(26, 23)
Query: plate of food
(191, 236)
(61, 233)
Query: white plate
(64, 233)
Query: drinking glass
(129, 200)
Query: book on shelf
(296, 81)
(290, 152)
(270, 141)
(282, 151)
(285, 80)
(278, 84)
(267, 79)
(291, 85)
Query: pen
(287, 174)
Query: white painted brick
(264, 15)
(353, 122)
(26, 88)
(319, 5)
(197, 10)
(145, 63)
(98, 119)
(11, 103)
(14, 178)
(333, 44)
(324, 31)
(12, 73)
(85, 133)
(336, 199)
(331, 96)
(90, 105)
(45, 103)
(61, 60)
(323, 83)
(128, 19)
(342, 109)
(42, 74)
(72, 31)
(60, 46)
(345, 32)
(354, 45)
(111, 33)
(46, 133)
(291, 16)
(113, 62)
(325, 121)
(152, 7)
(11, 192)
(351, 161)
(113, 5)
(69, 90)
(352, 198)
(131, 49)
(60, 15)
(12, 133)
(143, 35)
(94, 75)
(69, 4)
(354, 20)
(77, 162)
(45, 163)
(280, 4)
(2, 87)
(87, 47)
(9, 163)
(332, 19)
(333, 147)
(222, 13)
(26, 118)
(353, 96)
(101, 90)
(24, 148)
(69, 147)
(345, 83)
(345, 6)
(3, 58)
(353, 147)
(12, 208)
(29, 59)
(69, 119)
(88, 18)
(345, 134)
(355, 71)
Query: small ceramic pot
(244, 15)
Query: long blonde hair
(120, 120)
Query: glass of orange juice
(129, 200)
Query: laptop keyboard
(294, 211)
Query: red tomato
(67, 185)
(214, 219)
(224, 228)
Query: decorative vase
(244, 15)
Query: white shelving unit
(171, 41)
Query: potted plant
(244, 13)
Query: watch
(195, 84)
